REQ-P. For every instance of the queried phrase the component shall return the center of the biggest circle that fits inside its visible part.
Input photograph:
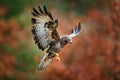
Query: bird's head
(69, 39)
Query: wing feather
(49, 14)
(43, 27)
(45, 10)
(33, 14)
(35, 11)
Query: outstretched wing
(76, 31)
(44, 28)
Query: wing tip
(79, 26)
(43, 11)
(35, 11)
(40, 10)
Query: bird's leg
(57, 56)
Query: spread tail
(45, 62)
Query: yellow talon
(57, 56)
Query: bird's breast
(57, 47)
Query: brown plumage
(44, 27)
(46, 36)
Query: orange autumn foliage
(10, 36)
(10, 33)
(93, 55)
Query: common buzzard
(44, 30)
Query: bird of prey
(46, 36)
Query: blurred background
(93, 55)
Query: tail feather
(45, 62)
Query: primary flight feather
(46, 36)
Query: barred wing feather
(43, 27)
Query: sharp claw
(57, 56)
